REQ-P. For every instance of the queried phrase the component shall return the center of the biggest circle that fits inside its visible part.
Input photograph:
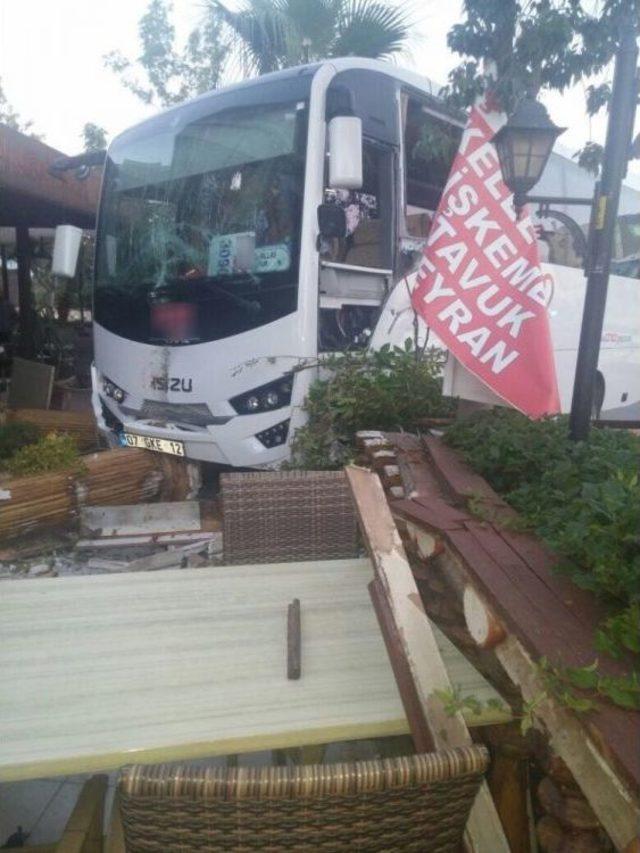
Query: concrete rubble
(136, 551)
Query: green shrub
(15, 435)
(391, 389)
(583, 498)
(53, 452)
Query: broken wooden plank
(516, 605)
(418, 725)
(410, 453)
(141, 519)
(511, 575)
(418, 643)
(607, 796)
(456, 477)
(162, 560)
(214, 540)
(100, 565)
(433, 513)
(570, 737)
(543, 562)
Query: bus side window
(430, 144)
(368, 210)
(626, 255)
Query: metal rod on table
(294, 640)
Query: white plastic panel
(66, 248)
(345, 153)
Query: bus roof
(575, 180)
(410, 78)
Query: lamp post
(624, 94)
(523, 145)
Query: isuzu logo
(172, 383)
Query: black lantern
(524, 144)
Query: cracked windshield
(200, 230)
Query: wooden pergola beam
(31, 192)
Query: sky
(53, 73)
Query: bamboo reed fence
(121, 476)
(81, 426)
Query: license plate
(147, 442)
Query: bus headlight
(265, 398)
(275, 435)
(112, 390)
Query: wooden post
(83, 831)
(508, 779)
(25, 296)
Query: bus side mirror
(332, 221)
(66, 248)
(345, 153)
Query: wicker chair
(418, 803)
(283, 516)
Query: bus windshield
(198, 235)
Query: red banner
(480, 286)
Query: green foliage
(563, 683)
(584, 500)
(544, 44)
(435, 149)
(506, 447)
(534, 46)
(598, 97)
(274, 34)
(580, 688)
(390, 389)
(454, 701)
(15, 435)
(53, 452)
(590, 157)
(620, 632)
(94, 137)
(172, 74)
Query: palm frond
(313, 21)
(261, 34)
(273, 34)
(370, 28)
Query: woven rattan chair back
(284, 516)
(418, 803)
